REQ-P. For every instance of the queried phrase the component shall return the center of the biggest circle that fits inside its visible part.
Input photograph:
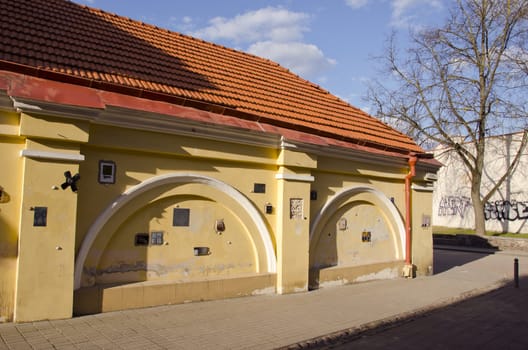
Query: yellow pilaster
(44, 283)
(293, 221)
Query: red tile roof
(62, 41)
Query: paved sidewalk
(266, 322)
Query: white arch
(348, 192)
(173, 178)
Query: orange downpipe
(408, 177)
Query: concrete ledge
(105, 298)
(339, 275)
(481, 242)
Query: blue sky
(331, 43)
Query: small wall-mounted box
(107, 172)
(259, 188)
(201, 251)
(40, 216)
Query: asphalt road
(495, 320)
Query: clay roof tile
(76, 40)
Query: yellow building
(143, 167)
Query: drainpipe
(408, 270)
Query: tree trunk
(478, 208)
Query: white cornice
(422, 188)
(54, 109)
(37, 154)
(184, 127)
(295, 177)
(350, 154)
(142, 120)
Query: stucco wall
(268, 217)
(507, 211)
(10, 175)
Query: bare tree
(460, 83)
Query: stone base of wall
(507, 243)
(339, 275)
(485, 242)
(104, 298)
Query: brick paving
(274, 321)
(494, 320)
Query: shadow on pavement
(445, 259)
(494, 320)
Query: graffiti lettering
(454, 205)
(506, 210)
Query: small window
(259, 188)
(181, 217)
(107, 171)
(141, 239)
(156, 238)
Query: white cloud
(356, 4)
(306, 60)
(182, 24)
(407, 13)
(270, 23)
(274, 33)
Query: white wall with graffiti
(507, 211)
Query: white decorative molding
(174, 178)
(295, 177)
(36, 154)
(54, 109)
(386, 205)
(431, 177)
(422, 188)
(286, 144)
(20, 106)
(184, 126)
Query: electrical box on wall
(107, 172)
(259, 188)
(426, 220)
(181, 217)
(40, 216)
(141, 239)
(156, 238)
(342, 224)
(220, 226)
(201, 251)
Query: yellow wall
(422, 234)
(46, 253)
(10, 175)
(101, 222)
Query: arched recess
(360, 199)
(261, 236)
